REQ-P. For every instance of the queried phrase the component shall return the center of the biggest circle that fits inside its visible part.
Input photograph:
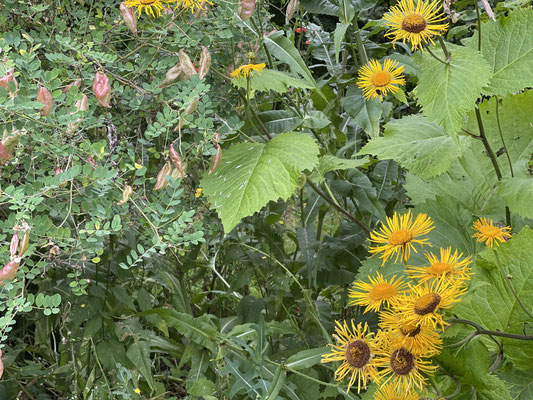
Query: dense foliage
(174, 226)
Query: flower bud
(172, 74)
(44, 96)
(129, 17)
(101, 89)
(76, 83)
(161, 182)
(186, 65)
(176, 159)
(205, 62)
(246, 9)
(126, 193)
(217, 158)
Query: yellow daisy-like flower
(449, 267)
(198, 192)
(422, 305)
(191, 5)
(244, 70)
(375, 80)
(148, 6)
(355, 348)
(418, 339)
(400, 235)
(403, 368)
(390, 392)
(415, 24)
(376, 293)
(490, 234)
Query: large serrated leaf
(507, 44)
(518, 194)
(417, 144)
(270, 79)
(493, 304)
(365, 113)
(252, 174)
(447, 92)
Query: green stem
(306, 376)
(492, 157)
(478, 27)
(481, 331)
(444, 49)
(435, 56)
(501, 137)
(363, 58)
(433, 382)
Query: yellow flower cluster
(155, 7)
(399, 355)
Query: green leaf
(365, 113)
(202, 387)
(306, 358)
(340, 31)
(447, 91)
(507, 45)
(493, 305)
(270, 79)
(470, 365)
(329, 163)
(252, 174)
(513, 115)
(199, 330)
(417, 144)
(321, 7)
(346, 11)
(518, 194)
(139, 354)
(520, 382)
(277, 384)
(283, 49)
(280, 121)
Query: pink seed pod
(4, 155)
(161, 182)
(246, 9)
(176, 159)
(24, 243)
(101, 89)
(172, 74)
(129, 17)
(9, 271)
(217, 158)
(4, 82)
(205, 62)
(44, 96)
(14, 245)
(126, 193)
(186, 65)
(76, 83)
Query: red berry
(298, 30)
(307, 42)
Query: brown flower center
(357, 354)
(440, 268)
(414, 23)
(410, 330)
(490, 231)
(427, 303)
(402, 361)
(400, 237)
(381, 78)
(382, 291)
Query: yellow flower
(191, 5)
(244, 70)
(355, 349)
(390, 392)
(418, 339)
(490, 234)
(400, 235)
(422, 305)
(137, 390)
(148, 6)
(198, 192)
(377, 81)
(448, 267)
(403, 368)
(415, 24)
(376, 293)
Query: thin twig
(482, 331)
(508, 280)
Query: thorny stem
(444, 49)
(338, 208)
(492, 157)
